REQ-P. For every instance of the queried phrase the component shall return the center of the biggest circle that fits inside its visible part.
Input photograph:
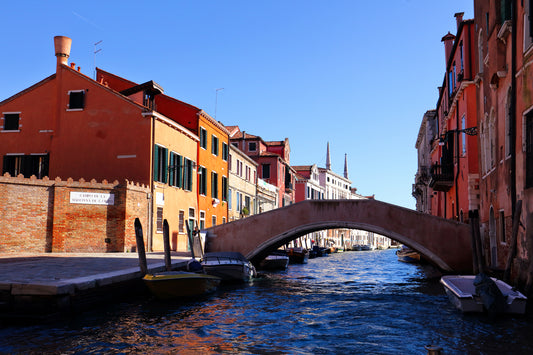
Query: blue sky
(357, 74)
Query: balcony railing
(441, 177)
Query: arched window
(508, 124)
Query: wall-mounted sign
(92, 198)
(159, 198)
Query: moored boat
(407, 255)
(175, 284)
(275, 261)
(463, 293)
(298, 255)
(229, 266)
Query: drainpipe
(149, 235)
(512, 114)
(457, 159)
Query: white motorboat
(229, 266)
(275, 261)
(461, 290)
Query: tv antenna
(96, 51)
(216, 100)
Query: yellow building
(242, 195)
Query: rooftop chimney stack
(62, 46)
(459, 19)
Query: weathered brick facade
(38, 215)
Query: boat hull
(228, 266)
(462, 294)
(176, 284)
(274, 262)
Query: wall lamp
(471, 131)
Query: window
(76, 100)
(214, 145)
(230, 162)
(27, 165)
(213, 221)
(181, 226)
(247, 202)
(214, 185)
(265, 173)
(224, 188)
(11, 121)
(528, 24)
(229, 199)
(225, 151)
(248, 173)
(159, 220)
(529, 149)
(202, 219)
(238, 202)
(187, 174)
(463, 136)
(235, 144)
(203, 138)
(160, 163)
(175, 170)
(202, 180)
(252, 146)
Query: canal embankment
(38, 285)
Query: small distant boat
(229, 266)
(275, 261)
(175, 284)
(366, 247)
(465, 293)
(298, 255)
(407, 255)
(356, 247)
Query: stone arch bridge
(445, 243)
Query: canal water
(348, 303)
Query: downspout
(149, 235)
(457, 156)
(512, 109)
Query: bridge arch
(443, 242)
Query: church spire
(345, 166)
(328, 160)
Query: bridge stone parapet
(445, 243)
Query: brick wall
(38, 216)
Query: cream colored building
(242, 192)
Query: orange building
(71, 126)
(212, 150)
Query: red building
(454, 173)
(504, 41)
(273, 159)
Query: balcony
(441, 177)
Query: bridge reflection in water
(445, 243)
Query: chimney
(62, 46)
(459, 19)
(448, 45)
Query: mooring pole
(140, 247)
(514, 237)
(472, 215)
(166, 245)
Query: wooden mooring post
(166, 245)
(140, 246)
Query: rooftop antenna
(216, 100)
(96, 51)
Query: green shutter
(156, 163)
(180, 171)
(164, 171)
